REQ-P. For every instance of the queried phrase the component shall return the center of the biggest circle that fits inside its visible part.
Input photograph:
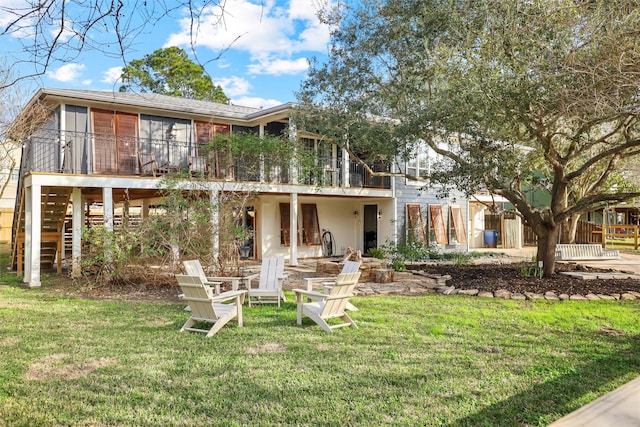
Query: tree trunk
(547, 241)
(569, 228)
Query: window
(420, 162)
(423, 159)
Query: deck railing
(98, 154)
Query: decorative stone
(471, 292)
(518, 296)
(532, 295)
(563, 297)
(603, 296)
(627, 296)
(383, 275)
(551, 296)
(485, 294)
(450, 291)
(502, 293)
(592, 297)
(577, 297)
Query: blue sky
(262, 45)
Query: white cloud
(262, 29)
(66, 73)
(11, 10)
(246, 101)
(234, 86)
(278, 67)
(112, 75)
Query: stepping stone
(580, 275)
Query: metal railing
(100, 154)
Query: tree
(59, 31)
(170, 71)
(503, 90)
(14, 130)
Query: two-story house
(96, 147)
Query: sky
(257, 52)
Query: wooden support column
(293, 246)
(76, 232)
(215, 234)
(107, 216)
(33, 231)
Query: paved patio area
(620, 408)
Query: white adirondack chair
(328, 306)
(327, 282)
(194, 268)
(270, 278)
(206, 308)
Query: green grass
(430, 360)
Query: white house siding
(336, 214)
(410, 193)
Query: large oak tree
(514, 94)
(169, 71)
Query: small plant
(532, 269)
(459, 258)
(377, 253)
(398, 265)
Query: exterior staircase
(54, 203)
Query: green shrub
(398, 265)
(377, 253)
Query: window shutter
(458, 223)
(285, 221)
(437, 222)
(416, 224)
(310, 224)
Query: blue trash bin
(491, 238)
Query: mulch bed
(510, 276)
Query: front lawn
(432, 360)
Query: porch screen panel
(76, 152)
(219, 161)
(458, 223)
(416, 224)
(310, 224)
(168, 138)
(42, 153)
(104, 142)
(437, 222)
(126, 141)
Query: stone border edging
(550, 295)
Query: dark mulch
(510, 276)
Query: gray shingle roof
(164, 102)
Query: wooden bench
(584, 252)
